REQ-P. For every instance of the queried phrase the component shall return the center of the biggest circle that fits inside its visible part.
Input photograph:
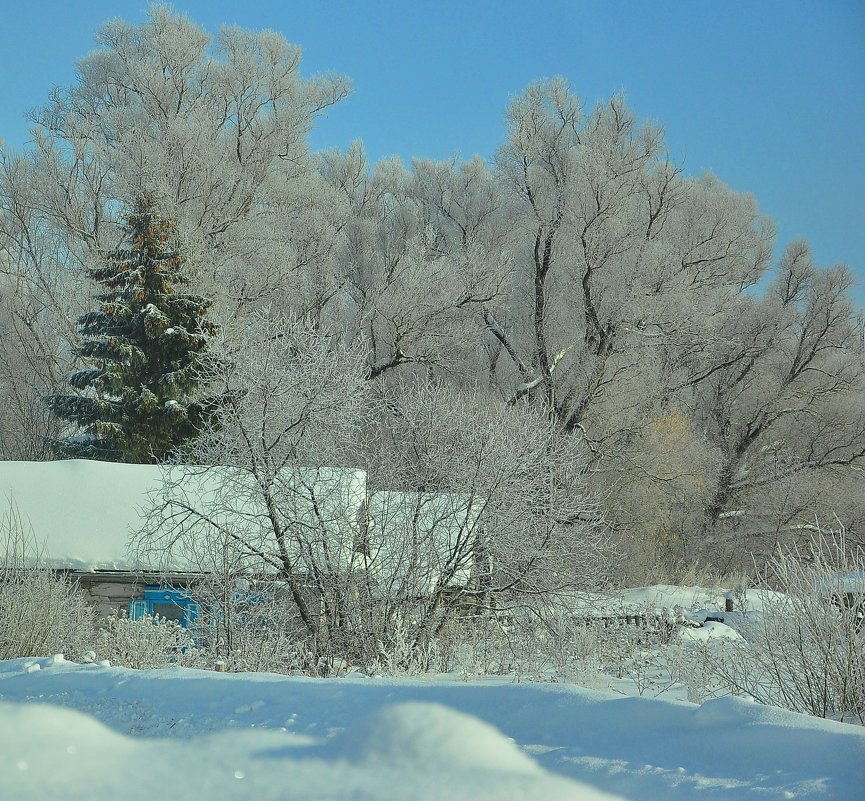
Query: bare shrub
(805, 650)
(549, 644)
(469, 505)
(400, 654)
(41, 613)
(251, 626)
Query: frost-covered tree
(584, 274)
(272, 500)
(581, 272)
(780, 393)
(420, 257)
(216, 126)
(536, 532)
(144, 348)
(615, 253)
(39, 302)
(380, 514)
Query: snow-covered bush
(41, 613)
(552, 646)
(250, 625)
(399, 654)
(805, 649)
(540, 644)
(146, 643)
(270, 650)
(267, 648)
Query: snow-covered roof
(83, 513)
(425, 535)
(318, 508)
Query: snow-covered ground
(70, 731)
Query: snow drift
(99, 732)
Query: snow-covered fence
(657, 626)
(645, 620)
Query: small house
(85, 518)
(78, 518)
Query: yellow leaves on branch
(676, 468)
(672, 449)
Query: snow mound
(420, 751)
(208, 736)
(431, 737)
(43, 747)
(710, 630)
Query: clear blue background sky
(770, 96)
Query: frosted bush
(146, 643)
(805, 650)
(41, 613)
(400, 654)
(256, 629)
(693, 665)
(269, 649)
(545, 645)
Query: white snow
(71, 732)
(81, 512)
(683, 603)
(710, 630)
(636, 600)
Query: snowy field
(98, 732)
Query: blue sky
(770, 96)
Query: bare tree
(621, 269)
(38, 301)
(471, 504)
(616, 245)
(475, 505)
(417, 253)
(271, 498)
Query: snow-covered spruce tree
(143, 346)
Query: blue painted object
(166, 602)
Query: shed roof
(83, 513)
